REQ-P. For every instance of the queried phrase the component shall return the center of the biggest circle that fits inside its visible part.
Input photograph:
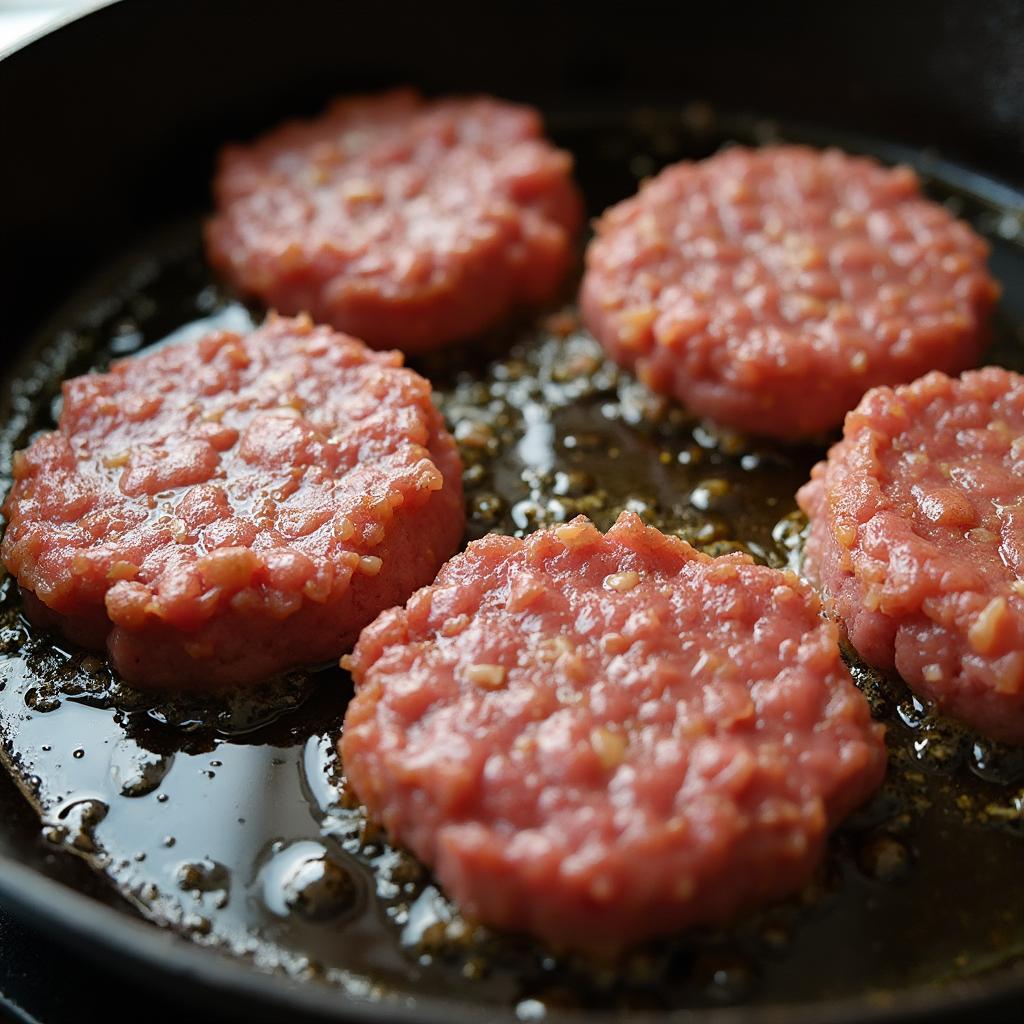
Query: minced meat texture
(408, 223)
(917, 540)
(769, 289)
(217, 511)
(600, 738)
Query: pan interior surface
(228, 819)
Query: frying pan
(110, 123)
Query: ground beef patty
(599, 738)
(216, 511)
(408, 223)
(769, 289)
(917, 540)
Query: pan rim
(49, 27)
(80, 920)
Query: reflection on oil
(307, 879)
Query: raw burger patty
(917, 540)
(408, 223)
(769, 289)
(600, 738)
(217, 511)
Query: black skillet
(109, 125)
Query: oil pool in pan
(228, 819)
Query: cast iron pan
(228, 820)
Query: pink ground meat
(769, 289)
(917, 540)
(220, 510)
(408, 223)
(598, 738)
